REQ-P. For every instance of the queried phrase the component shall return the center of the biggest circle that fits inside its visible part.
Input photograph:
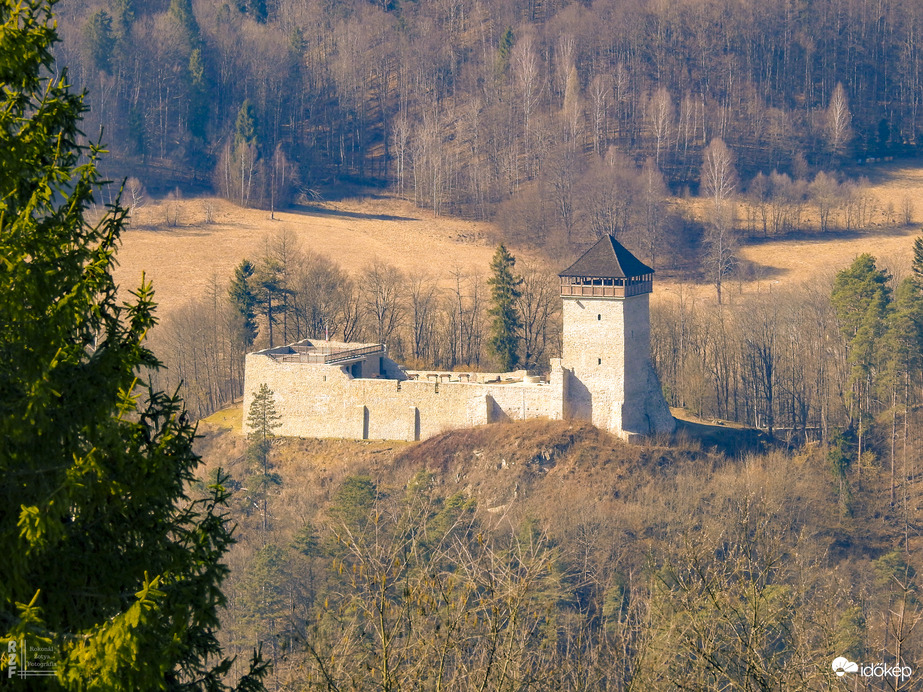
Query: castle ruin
(354, 390)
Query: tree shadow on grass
(311, 210)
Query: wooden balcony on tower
(591, 287)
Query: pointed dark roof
(607, 259)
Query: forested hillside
(541, 108)
(548, 555)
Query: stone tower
(607, 343)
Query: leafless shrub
(907, 210)
(171, 208)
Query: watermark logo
(842, 665)
(12, 657)
(32, 661)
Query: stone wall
(316, 400)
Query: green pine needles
(108, 562)
(506, 325)
(263, 420)
(917, 262)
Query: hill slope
(542, 534)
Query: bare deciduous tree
(281, 181)
(137, 196)
(463, 320)
(719, 184)
(607, 197)
(422, 303)
(653, 208)
(825, 192)
(719, 176)
(758, 194)
(600, 94)
(526, 71)
(907, 210)
(538, 308)
(418, 603)
(572, 112)
(660, 117)
(400, 144)
(380, 285)
(839, 121)
(171, 207)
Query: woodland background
(532, 111)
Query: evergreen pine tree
(504, 51)
(107, 560)
(903, 347)
(861, 299)
(903, 339)
(255, 8)
(123, 12)
(99, 41)
(243, 298)
(272, 294)
(199, 92)
(241, 172)
(353, 502)
(918, 260)
(245, 125)
(262, 420)
(265, 594)
(506, 325)
(181, 12)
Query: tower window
(599, 317)
(599, 361)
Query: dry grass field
(796, 260)
(182, 259)
(799, 260)
(781, 264)
(210, 237)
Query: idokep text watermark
(842, 665)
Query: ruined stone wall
(317, 400)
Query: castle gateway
(353, 390)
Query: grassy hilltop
(570, 555)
